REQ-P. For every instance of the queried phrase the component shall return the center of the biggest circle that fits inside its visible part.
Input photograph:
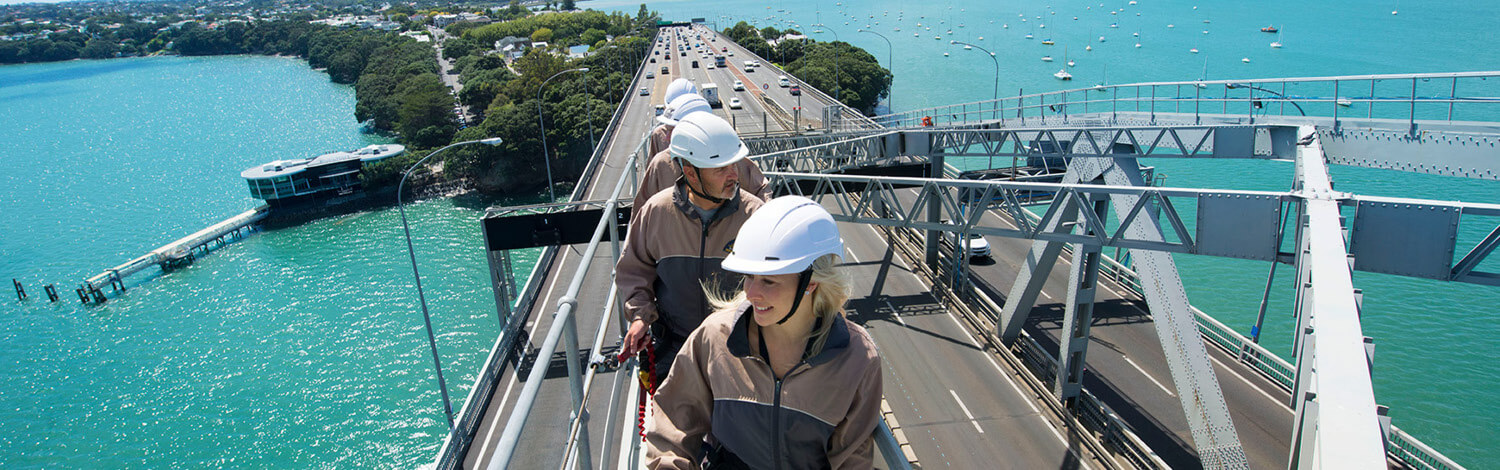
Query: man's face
(717, 182)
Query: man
(661, 135)
(679, 237)
(662, 174)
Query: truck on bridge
(710, 92)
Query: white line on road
(1044, 294)
(961, 406)
(1148, 376)
(1002, 372)
(895, 313)
(1252, 385)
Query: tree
(425, 110)
(591, 37)
(99, 48)
(567, 5)
(845, 71)
(541, 35)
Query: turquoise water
(297, 347)
(304, 347)
(1432, 362)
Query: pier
(176, 254)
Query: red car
(796, 90)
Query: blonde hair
(834, 288)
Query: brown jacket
(661, 173)
(821, 415)
(670, 254)
(661, 138)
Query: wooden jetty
(172, 255)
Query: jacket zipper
(702, 250)
(776, 423)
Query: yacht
(1063, 75)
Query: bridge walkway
(941, 385)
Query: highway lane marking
(1232, 372)
(1252, 385)
(1002, 372)
(961, 406)
(1148, 376)
(895, 313)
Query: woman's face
(771, 296)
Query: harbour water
(296, 347)
(304, 346)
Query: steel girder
(1337, 425)
(1250, 238)
(763, 145)
(1233, 141)
(872, 150)
(1197, 386)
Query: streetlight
(551, 193)
(992, 59)
(1253, 87)
(426, 317)
(890, 100)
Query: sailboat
(1063, 75)
(1065, 56)
(1100, 86)
(1277, 43)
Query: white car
(734, 103)
(731, 53)
(739, 85)
(645, 91)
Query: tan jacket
(821, 415)
(661, 138)
(661, 173)
(670, 254)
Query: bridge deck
(957, 405)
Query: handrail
(1224, 97)
(563, 322)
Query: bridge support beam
(1197, 386)
(1038, 264)
(1079, 315)
(1337, 422)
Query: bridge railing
(1450, 97)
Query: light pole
(1253, 87)
(551, 193)
(992, 59)
(421, 297)
(891, 50)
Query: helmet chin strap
(802, 280)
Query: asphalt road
(1127, 368)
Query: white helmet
(706, 141)
(784, 236)
(681, 107)
(680, 87)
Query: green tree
(591, 37)
(542, 35)
(425, 110)
(567, 5)
(845, 71)
(99, 48)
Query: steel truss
(1337, 423)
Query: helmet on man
(680, 87)
(706, 141)
(681, 107)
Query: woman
(776, 377)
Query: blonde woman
(776, 377)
